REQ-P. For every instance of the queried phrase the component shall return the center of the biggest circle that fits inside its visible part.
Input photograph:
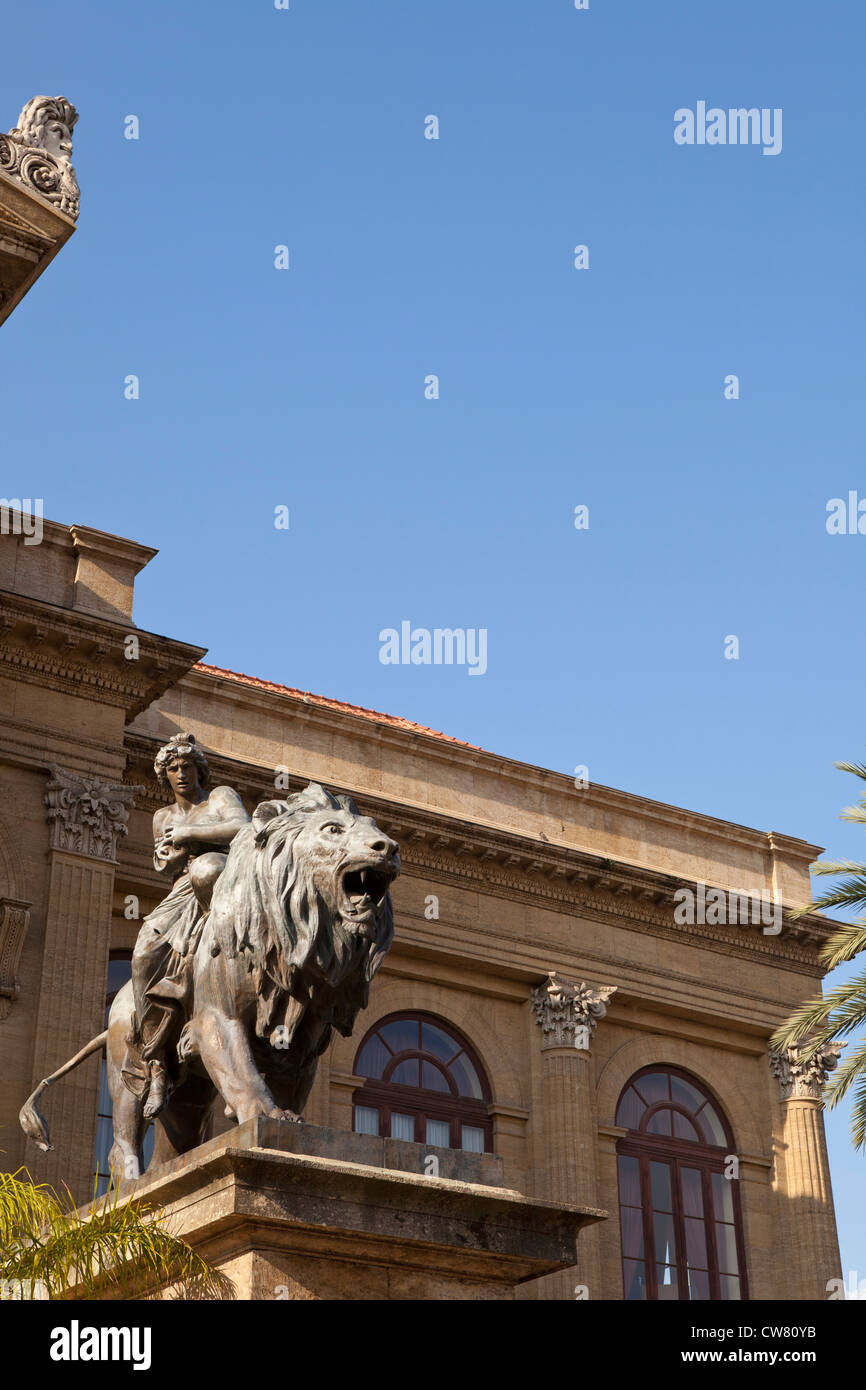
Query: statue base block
(301, 1212)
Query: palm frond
(844, 944)
(108, 1249)
(849, 892)
(26, 1209)
(837, 866)
(819, 1020)
(852, 1069)
(858, 1114)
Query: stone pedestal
(301, 1212)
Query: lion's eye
(333, 829)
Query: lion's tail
(31, 1121)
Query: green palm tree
(107, 1250)
(843, 1008)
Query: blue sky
(558, 387)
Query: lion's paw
(277, 1114)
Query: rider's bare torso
(183, 832)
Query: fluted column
(568, 1014)
(85, 817)
(803, 1187)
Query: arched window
(424, 1083)
(680, 1217)
(119, 971)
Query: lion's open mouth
(363, 890)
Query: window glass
(663, 1231)
(635, 1280)
(466, 1077)
(631, 1227)
(684, 1129)
(696, 1243)
(437, 1043)
(730, 1287)
(439, 1133)
(693, 1192)
(373, 1059)
(685, 1094)
(119, 971)
(668, 1284)
(406, 1073)
(712, 1126)
(726, 1244)
(402, 1035)
(432, 1078)
(659, 1123)
(104, 1141)
(723, 1200)
(366, 1120)
(699, 1284)
(654, 1086)
(660, 1181)
(472, 1139)
(629, 1180)
(402, 1126)
(631, 1107)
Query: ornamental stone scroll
(37, 152)
(568, 1013)
(86, 814)
(803, 1078)
(14, 921)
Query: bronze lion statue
(299, 923)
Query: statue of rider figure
(191, 840)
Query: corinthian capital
(87, 815)
(568, 1013)
(802, 1078)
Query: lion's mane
(267, 907)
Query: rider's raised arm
(226, 816)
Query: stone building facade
(537, 927)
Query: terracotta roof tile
(393, 720)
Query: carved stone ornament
(37, 152)
(86, 814)
(14, 921)
(569, 1013)
(802, 1078)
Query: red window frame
(390, 1096)
(678, 1154)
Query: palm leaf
(109, 1249)
(851, 1070)
(844, 944)
(818, 1021)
